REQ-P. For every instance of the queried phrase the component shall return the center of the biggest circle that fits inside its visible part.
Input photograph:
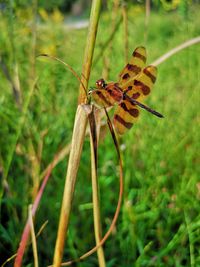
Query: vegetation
(159, 222)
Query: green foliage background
(159, 224)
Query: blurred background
(159, 223)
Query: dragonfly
(134, 85)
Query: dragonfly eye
(100, 83)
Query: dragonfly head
(100, 84)
(91, 89)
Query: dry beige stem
(176, 50)
(77, 137)
(73, 165)
(95, 188)
(33, 237)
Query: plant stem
(34, 243)
(102, 241)
(34, 40)
(19, 128)
(106, 59)
(95, 189)
(108, 41)
(94, 19)
(190, 239)
(147, 11)
(26, 231)
(77, 137)
(176, 50)
(73, 164)
(125, 25)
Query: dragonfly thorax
(101, 84)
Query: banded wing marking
(136, 64)
(141, 86)
(108, 96)
(125, 115)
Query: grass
(159, 222)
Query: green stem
(125, 25)
(89, 50)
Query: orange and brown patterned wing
(134, 67)
(127, 113)
(108, 96)
(141, 86)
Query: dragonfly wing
(125, 115)
(138, 88)
(136, 64)
(141, 86)
(108, 96)
(101, 98)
